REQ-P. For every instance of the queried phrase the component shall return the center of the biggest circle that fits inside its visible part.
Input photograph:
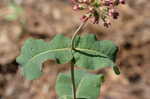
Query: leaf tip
(116, 70)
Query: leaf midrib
(55, 50)
(63, 49)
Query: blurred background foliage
(22, 19)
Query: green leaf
(87, 85)
(69, 97)
(35, 52)
(90, 53)
(93, 54)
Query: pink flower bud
(98, 10)
(122, 1)
(75, 7)
(113, 13)
(78, 7)
(107, 24)
(95, 20)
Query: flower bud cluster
(98, 10)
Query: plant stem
(73, 61)
(75, 34)
(73, 79)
